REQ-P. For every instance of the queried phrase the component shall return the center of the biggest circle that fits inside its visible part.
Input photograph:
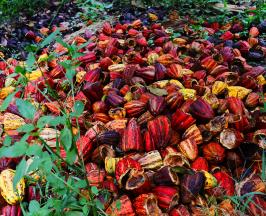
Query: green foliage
(62, 185)
(11, 8)
(93, 9)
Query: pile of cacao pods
(168, 123)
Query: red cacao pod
(125, 209)
(131, 138)
(201, 109)
(123, 167)
(200, 164)
(214, 152)
(168, 197)
(160, 131)
(147, 204)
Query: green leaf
(66, 138)
(99, 204)
(34, 206)
(20, 70)
(21, 170)
(71, 156)
(26, 128)
(30, 61)
(16, 150)
(35, 150)
(70, 73)
(94, 190)
(78, 109)
(118, 204)
(51, 121)
(7, 101)
(74, 213)
(7, 141)
(26, 109)
(50, 38)
(85, 210)
(157, 91)
(80, 184)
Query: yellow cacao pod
(188, 93)
(12, 121)
(43, 57)
(161, 83)
(128, 96)
(117, 67)
(6, 187)
(261, 80)
(177, 83)
(153, 17)
(151, 59)
(219, 87)
(211, 99)
(79, 76)
(110, 164)
(4, 92)
(210, 180)
(238, 91)
(34, 75)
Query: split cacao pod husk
(201, 110)
(123, 167)
(11, 210)
(168, 197)
(191, 185)
(6, 187)
(159, 131)
(125, 207)
(147, 204)
(166, 176)
(131, 138)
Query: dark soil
(12, 32)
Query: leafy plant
(11, 8)
(92, 9)
(59, 186)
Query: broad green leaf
(66, 138)
(30, 61)
(7, 141)
(70, 73)
(80, 184)
(20, 70)
(85, 209)
(26, 109)
(13, 151)
(94, 190)
(50, 38)
(7, 101)
(51, 121)
(26, 128)
(25, 137)
(21, 170)
(157, 91)
(118, 204)
(35, 150)
(99, 204)
(71, 156)
(74, 213)
(34, 206)
(78, 109)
